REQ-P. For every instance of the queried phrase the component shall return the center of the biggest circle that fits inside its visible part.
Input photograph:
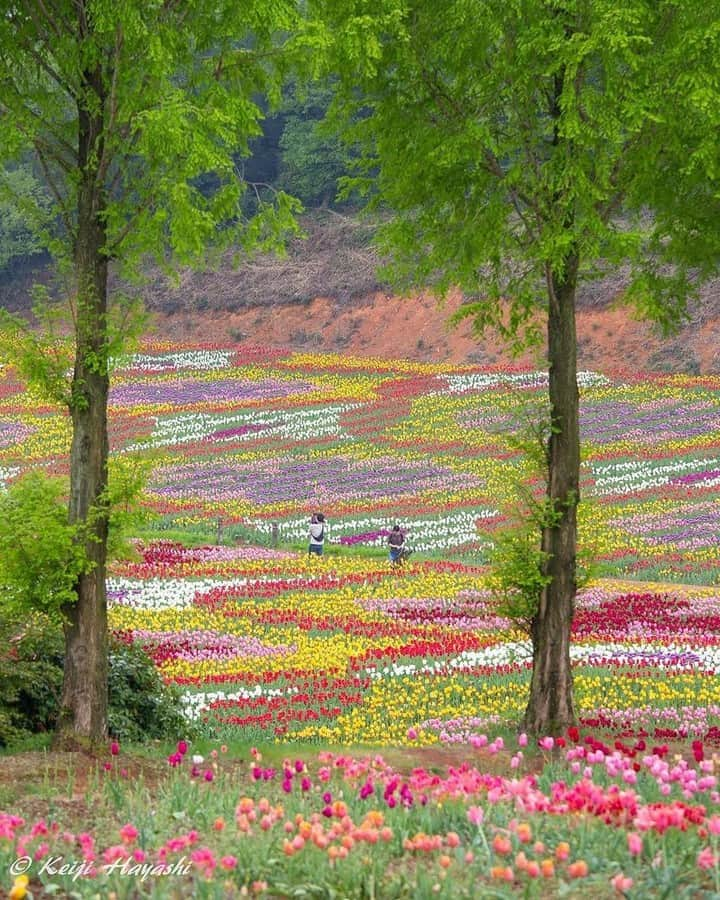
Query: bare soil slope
(416, 328)
(325, 297)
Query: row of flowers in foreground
(346, 823)
(346, 650)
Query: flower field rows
(258, 439)
(345, 651)
(272, 647)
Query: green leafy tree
(24, 207)
(506, 135)
(677, 170)
(40, 556)
(125, 106)
(313, 157)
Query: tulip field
(379, 706)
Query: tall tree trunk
(84, 704)
(550, 709)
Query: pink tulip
(706, 858)
(635, 843)
(475, 815)
(621, 883)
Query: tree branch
(28, 110)
(112, 246)
(54, 190)
(52, 20)
(106, 157)
(48, 69)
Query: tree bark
(550, 709)
(84, 703)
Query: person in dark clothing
(396, 545)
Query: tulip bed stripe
(251, 441)
(267, 644)
(345, 650)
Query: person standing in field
(396, 545)
(317, 534)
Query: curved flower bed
(345, 650)
(260, 438)
(271, 646)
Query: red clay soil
(415, 328)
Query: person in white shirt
(317, 534)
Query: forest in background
(294, 153)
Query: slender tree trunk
(550, 709)
(83, 716)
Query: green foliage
(508, 136)
(517, 572)
(127, 323)
(40, 556)
(128, 476)
(188, 111)
(31, 673)
(517, 561)
(43, 350)
(141, 706)
(676, 175)
(313, 158)
(23, 212)
(43, 354)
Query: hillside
(325, 297)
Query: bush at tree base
(142, 707)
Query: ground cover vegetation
(290, 655)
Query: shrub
(517, 573)
(142, 706)
(517, 563)
(41, 553)
(30, 676)
(31, 672)
(40, 559)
